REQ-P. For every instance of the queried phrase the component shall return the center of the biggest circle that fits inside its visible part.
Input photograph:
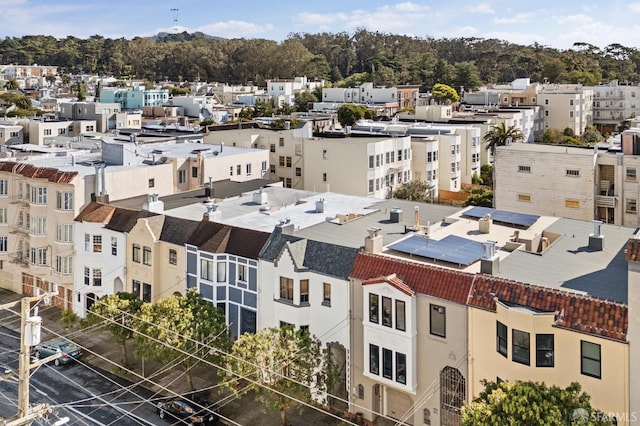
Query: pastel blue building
(134, 97)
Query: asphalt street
(83, 393)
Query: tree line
(386, 59)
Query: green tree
(348, 114)
(18, 99)
(182, 331)
(279, 364)
(51, 79)
(81, 91)
(303, 99)
(416, 190)
(500, 135)
(117, 312)
(531, 404)
(480, 197)
(263, 109)
(442, 93)
(11, 84)
(486, 174)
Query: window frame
(542, 352)
(374, 308)
(304, 291)
(440, 310)
(173, 257)
(400, 315)
(135, 253)
(518, 347)
(374, 359)
(326, 300)
(387, 311)
(502, 329)
(584, 358)
(146, 255)
(286, 289)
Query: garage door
(398, 405)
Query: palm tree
(11, 84)
(500, 135)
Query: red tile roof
(30, 171)
(581, 313)
(392, 280)
(633, 250)
(426, 279)
(574, 311)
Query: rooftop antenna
(175, 11)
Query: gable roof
(574, 311)
(324, 258)
(214, 237)
(176, 230)
(443, 283)
(123, 220)
(391, 280)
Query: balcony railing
(605, 201)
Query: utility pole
(29, 336)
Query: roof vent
(596, 240)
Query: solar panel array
(451, 249)
(510, 218)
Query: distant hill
(183, 36)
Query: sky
(552, 23)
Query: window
(173, 257)
(399, 155)
(281, 141)
(544, 350)
(573, 172)
(286, 289)
(4, 187)
(3, 244)
(386, 311)
(281, 161)
(239, 169)
(242, 273)
(64, 265)
(374, 359)
(146, 292)
(631, 173)
(326, 294)
(272, 168)
(400, 316)
(324, 154)
(97, 277)
(3, 215)
(87, 276)
(194, 172)
(501, 338)
(590, 359)
(182, 176)
(114, 246)
(631, 205)
(374, 308)
(38, 195)
(206, 269)
(304, 291)
(546, 101)
(387, 364)
(370, 185)
(324, 177)
(263, 167)
(298, 171)
(524, 169)
(146, 255)
(371, 162)
(288, 161)
(38, 226)
(568, 202)
(401, 368)
(135, 254)
(524, 197)
(437, 321)
(287, 183)
(135, 287)
(231, 171)
(222, 272)
(152, 183)
(97, 244)
(248, 169)
(272, 147)
(64, 200)
(520, 350)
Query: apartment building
(11, 134)
(24, 71)
(283, 91)
(135, 97)
(43, 132)
(106, 116)
(613, 103)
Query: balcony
(605, 201)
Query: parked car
(189, 409)
(70, 351)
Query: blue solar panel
(511, 218)
(449, 249)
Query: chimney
(490, 262)
(153, 204)
(373, 242)
(320, 205)
(221, 146)
(416, 218)
(286, 227)
(596, 240)
(213, 213)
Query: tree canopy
(501, 135)
(442, 94)
(415, 190)
(531, 404)
(279, 364)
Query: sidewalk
(102, 352)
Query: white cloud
(235, 29)
(482, 8)
(410, 7)
(321, 19)
(634, 7)
(518, 18)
